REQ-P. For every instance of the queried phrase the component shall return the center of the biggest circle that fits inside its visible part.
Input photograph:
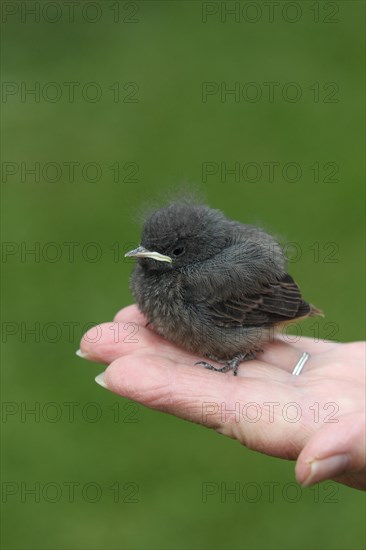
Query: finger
(335, 450)
(214, 400)
(304, 343)
(281, 355)
(130, 314)
(106, 342)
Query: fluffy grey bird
(213, 286)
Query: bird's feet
(232, 365)
(225, 368)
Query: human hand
(317, 418)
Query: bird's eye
(178, 251)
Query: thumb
(336, 449)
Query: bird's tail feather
(315, 311)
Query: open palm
(317, 418)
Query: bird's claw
(232, 365)
(208, 366)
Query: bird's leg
(233, 364)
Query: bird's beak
(141, 252)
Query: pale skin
(316, 418)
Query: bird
(213, 286)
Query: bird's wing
(245, 285)
(276, 302)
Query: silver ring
(300, 364)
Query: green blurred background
(161, 130)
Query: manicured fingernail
(81, 354)
(100, 380)
(326, 468)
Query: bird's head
(180, 234)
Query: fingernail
(326, 468)
(100, 380)
(81, 354)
